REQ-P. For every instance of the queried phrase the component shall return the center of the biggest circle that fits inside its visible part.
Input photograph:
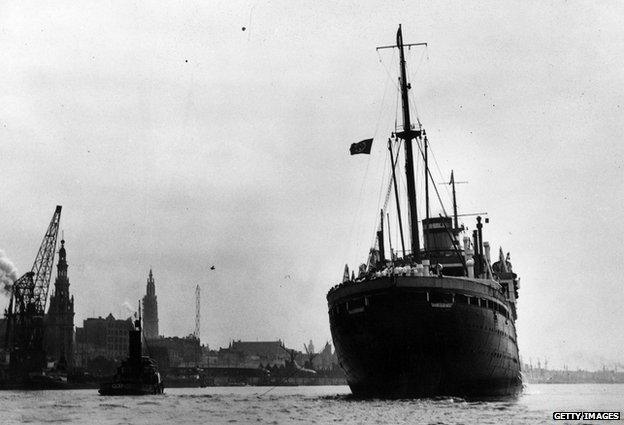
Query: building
(106, 338)
(59, 332)
(170, 352)
(150, 310)
(253, 354)
(326, 359)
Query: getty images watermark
(586, 416)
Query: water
(310, 405)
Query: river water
(310, 405)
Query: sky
(179, 135)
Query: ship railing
(417, 270)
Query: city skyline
(176, 140)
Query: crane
(198, 350)
(25, 314)
(197, 311)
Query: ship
(138, 374)
(430, 321)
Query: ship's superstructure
(150, 309)
(438, 320)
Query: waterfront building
(150, 309)
(106, 338)
(254, 353)
(175, 351)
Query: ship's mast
(426, 142)
(454, 202)
(407, 135)
(380, 239)
(389, 237)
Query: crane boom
(42, 267)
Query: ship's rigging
(404, 137)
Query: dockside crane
(198, 353)
(197, 313)
(25, 314)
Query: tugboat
(438, 320)
(138, 374)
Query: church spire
(60, 316)
(61, 266)
(150, 309)
(151, 286)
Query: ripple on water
(64, 406)
(196, 396)
(113, 405)
(144, 403)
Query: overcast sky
(175, 140)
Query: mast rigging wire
(390, 76)
(377, 222)
(435, 186)
(442, 178)
(393, 162)
(412, 101)
(357, 216)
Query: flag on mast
(361, 147)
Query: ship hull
(411, 336)
(130, 388)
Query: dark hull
(393, 341)
(130, 388)
(34, 385)
(49, 380)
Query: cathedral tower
(60, 318)
(150, 310)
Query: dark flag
(361, 147)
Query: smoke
(8, 273)
(128, 307)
